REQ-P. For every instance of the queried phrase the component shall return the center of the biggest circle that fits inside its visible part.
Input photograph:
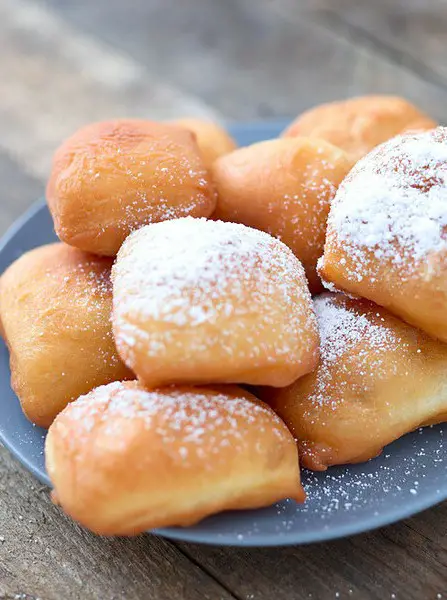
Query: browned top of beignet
(212, 139)
(111, 177)
(359, 124)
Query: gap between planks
(333, 21)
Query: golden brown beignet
(360, 124)
(378, 378)
(55, 308)
(200, 301)
(123, 459)
(212, 139)
(112, 177)
(283, 187)
(386, 238)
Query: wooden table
(66, 63)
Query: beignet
(55, 309)
(386, 238)
(378, 378)
(213, 140)
(360, 124)
(112, 177)
(200, 301)
(123, 459)
(283, 187)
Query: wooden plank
(248, 60)
(405, 561)
(70, 62)
(270, 62)
(59, 79)
(413, 32)
(45, 555)
(18, 190)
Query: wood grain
(246, 59)
(405, 561)
(59, 78)
(69, 65)
(18, 190)
(411, 32)
(65, 63)
(43, 554)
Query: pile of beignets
(178, 342)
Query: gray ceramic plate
(408, 477)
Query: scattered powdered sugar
(188, 272)
(342, 328)
(352, 498)
(86, 280)
(159, 180)
(394, 474)
(156, 200)
(307, 209)
(394, 203)
(186, 421)
(83, 287)
(346, 330)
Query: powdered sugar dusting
(189, 272)
(394, 203)
(350, 489)
(307, 209)
(342, 328)
(89, 275)
(184, 420)
(345, 330)
(349, 499)
(81, 282)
